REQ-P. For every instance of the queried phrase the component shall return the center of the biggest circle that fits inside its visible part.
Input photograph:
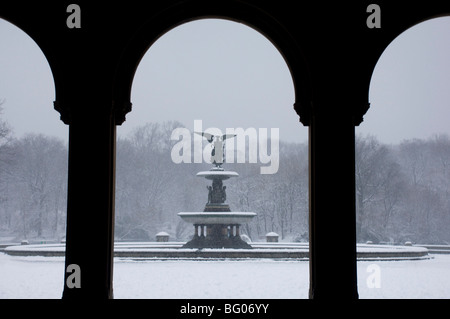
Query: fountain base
(217, 229)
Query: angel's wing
(225, 136)
(208, 136)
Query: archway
(415, 59)
(402, 152)
(27, 87)
(33, 157)
(259, 20)
(207, 70)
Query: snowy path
(42, 277)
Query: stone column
(90, 200)
(332, 207)
(202, 230)
(196, 230)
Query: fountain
(219, 227)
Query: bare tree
(376, 176)
(41, 178)
(147, 182)
(6, 161)
(5, 142)
(425, 164)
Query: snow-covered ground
(42, 277)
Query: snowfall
(42, 277)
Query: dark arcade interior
(331, 49)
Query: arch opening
(253, 73)
(211, 74)
(33, 156)
(402, 151)
(409, 81)
(28, 86)
(261, 22)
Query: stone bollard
(272, 237)
(162, 237)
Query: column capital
(65, 112)
(120, 109)
(68, 110)
(304, 111)
(337, 111)
(358, 113)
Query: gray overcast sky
(229, 75)
(410, 86)
(226, 74)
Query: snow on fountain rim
(157, 250)
(217, 173)
(217, 217)
(374, 248)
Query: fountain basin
(214, 218)
(217, 174)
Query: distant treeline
(402, 191)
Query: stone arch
(40, 45)
(406, 92)
(164, 21)
(381, 44)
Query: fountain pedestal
(217, 226)
(217, 229)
